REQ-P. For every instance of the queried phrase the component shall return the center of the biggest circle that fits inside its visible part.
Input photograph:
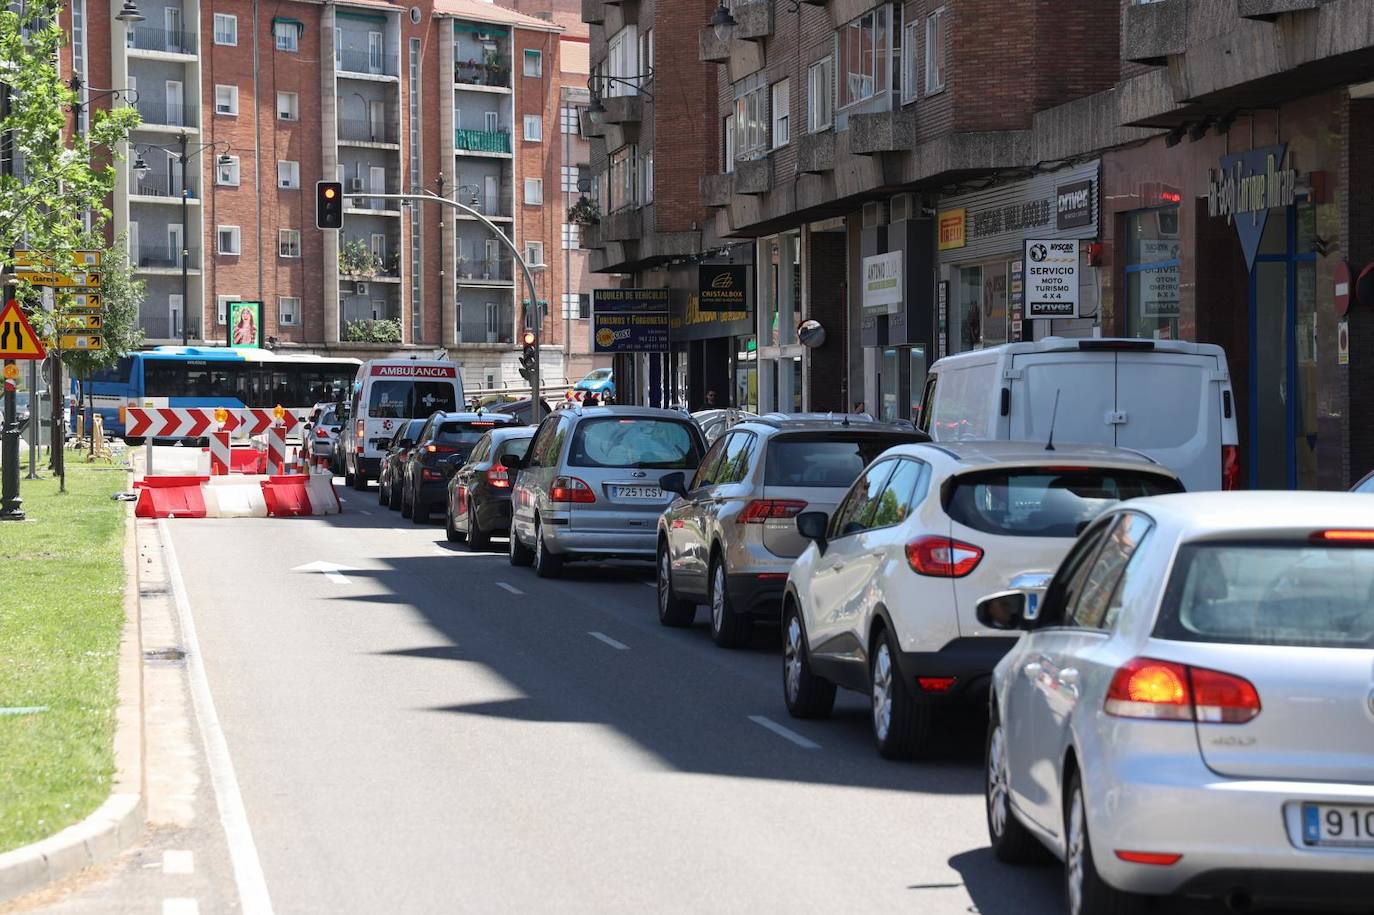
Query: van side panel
(1085, 383)
(966, 402)
(1172, 412)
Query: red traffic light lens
(329, 193)
(528, 338)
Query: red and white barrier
(276, 450)
(234, 496)
(221, 456)
(195, 422)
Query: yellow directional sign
(29, 260)
(87, 322)
(82, 341)
(17, 339)
(81, 300)
(63, 280)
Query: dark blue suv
(442, 447)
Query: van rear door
(1169, 407)
(1085, 382)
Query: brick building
(460, 97)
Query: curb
(117, 823)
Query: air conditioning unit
(224, 109)
(355, 184)
(360, 289)
(902, 207)
(875, 214)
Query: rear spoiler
(1096, 345)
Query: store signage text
(1245, 187)
(951, 228)
(1051, 283)
(883, 282)
(1073, 205)
(630, 320)
(723, 287)
(1012, 217)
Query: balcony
(482, 141)
(715, 190)
(1271, 10)
(882, 131)
(358, 62)
(152, 38)
(163, 188)
(486, 272)
(482, 322)
(146, 256)
(622, 109)
(593, 12)
(161, 113)
(753, 19)
(816, 152)
(754, 176)
(1153, 32)
(710, 49)
(625, 224)
(366, 131)
(495, 75)
(589, 238)
(590, 125)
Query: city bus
(189, 376)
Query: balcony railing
(164, 256)
(485, 322)
(352, 60)
(159, 324)
(169, 114)
(496, 269)
(152, 38)
(495, 141)
(366, 131)
(156, 185)
(473, 73)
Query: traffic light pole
(536, 404)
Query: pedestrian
(858, 406)
(590, 400)
(711, 399)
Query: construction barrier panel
(170, 497)
(286, 496)
(235, 497)
(220, 455)
(324, 498)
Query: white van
(1167, 399)
(386, 393)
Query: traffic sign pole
(10, 504)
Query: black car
(393, 462)
(522, 410)
(478, 503)
(442, 446)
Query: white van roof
(1087, 344)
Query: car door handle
(1032, 669)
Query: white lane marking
(178, 861)
(243, 853)
(363, 511)
(511, 588)
(621, 646)
(180, 906)
(784, 733)
(331, 570)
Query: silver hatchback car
(1191, 711)
(729, 539)
(589, 485)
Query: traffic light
(528, 356)
(329, 204)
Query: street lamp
(184, 154)
(722, 22)
(129, 14)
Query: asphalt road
(437, 731)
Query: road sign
(29, 260)
(82, 299)
(17, 339)
(82, 342)
(87, 322)
(63, 280)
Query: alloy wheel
(538, 544)
(882, 691)
(718, 598)
(792, 658)
(997, 781)
(664, 591)
(1073, 858)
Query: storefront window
(917, 357)
(746, 374)
(968, 322)
(889, 385)
(1152, 271)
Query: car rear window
(833, 459)
(639, 441)
(1045, 502)
(462, 433)
(398, 399)
(1291, 594)
(328, 418)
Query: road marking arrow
(330, 570)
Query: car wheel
(359, 480)
(478, 539)
(1010, 840)
(347, 475)
(419, 509)
(454, 535)
(901, 722)
(405, 503)
(1084, 889)
(728, 628)
(520, 555)
(672, 610)
(383, 493)
(806, 695)
(546, 564)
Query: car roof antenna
(1054, 414)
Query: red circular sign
(1341, 279)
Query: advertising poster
(1159, 287)
(723, 287)
(245, 319)
(630, 320)
(1051, 282)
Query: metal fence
(491, 269)
(162, 185)
(482, 140)
(171, 114)
(353, 60)
(152, 38)
(164, 256)
(366, 131)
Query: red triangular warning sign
(17, 339)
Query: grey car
(729, 538)
(1191, 709)
(589, 485)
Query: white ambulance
(386, 394)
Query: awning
(354, 14)
(300, 26)
(486, 28)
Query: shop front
(713, 338)
(898, 298)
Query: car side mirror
(675, 482)
(812, 526)
(512, 462)
(1004, 610)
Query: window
(734, 462)
(860, 502)
(935, 52)
(825, 459)
(288, 309)
(781, 106)
(570, 235)
(534, 252)
(227, 100)
(288, 242)
(1100, 601)
(534, 128)
(289, 175)
(820, 99)
(286, 35)
(288, 106)
(227, 175)
(622, 178)
(622, 63)
(577, 306)
(865, 47)
(727, 134)
(534, 192)
(567, 119)
(569, 181)
(751, 128)
(646, 178)
(646, 443)
(228, 240)
(534, 63)
(1049, 502)
(222, 306)
(646, 52)
(491, 121)
(1153, 257)
(911, 61)
(226, 29)
(377, 245)
(375, 52)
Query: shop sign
(883, 282)
(951, 227)
(630, 320)
(942, 317)
(1018, 300)
(1051, 282)
(1013, 217)
(1159, 286)
(1245, 187)
(1342, 342)
(1074, 205)
(723, 287)
(629, 300)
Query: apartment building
(453, 97)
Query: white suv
(884, 601)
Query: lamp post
(184, 154)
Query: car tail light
(1230, 467)
(936, 684)
(440, 449)
(942, 557)
(1157, 858)
(428, 474)
(1342, 537)
(571, 489)
(359, 428)
(321, 432)
(1165, 690)
(761, 510)
(498, 477)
